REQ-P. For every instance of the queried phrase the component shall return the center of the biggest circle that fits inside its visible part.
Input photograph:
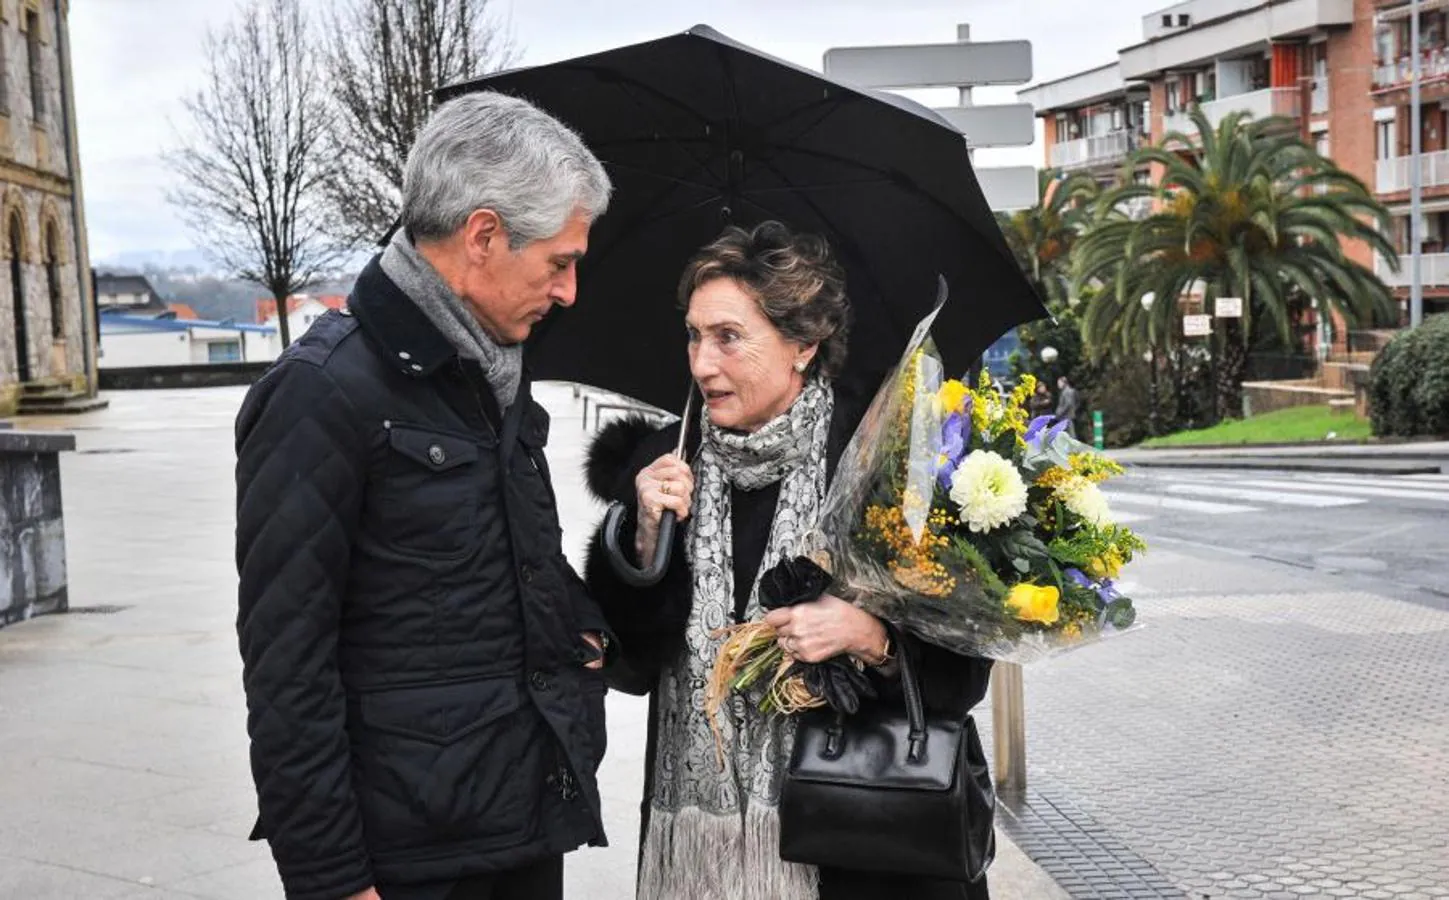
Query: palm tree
(1041, 237)
(1248, 210)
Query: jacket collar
(391, 319)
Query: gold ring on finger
(666, 488)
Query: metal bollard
(1099, 431)
(1008, 727)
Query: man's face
(510, 291)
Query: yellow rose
(953, 396)
(1034, 603)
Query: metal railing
(1279, 101)
(1100, 149)
(1435, 62)
(1395, 174)
(1434, 270)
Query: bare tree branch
(255, 170)
(385, 59)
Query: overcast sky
(135, 59)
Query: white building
(137, 341)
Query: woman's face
(744, 367)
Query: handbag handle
(911, 689)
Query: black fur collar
(606, 468)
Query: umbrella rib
(701, 163)
(818, 187)
(670, 179)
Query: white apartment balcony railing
(1092, 151)
(1435, 63)
(1137, 208)
(1396, 173)
(1433, 270)
(1281, 101)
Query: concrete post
(1008, 724)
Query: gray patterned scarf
(715, 834)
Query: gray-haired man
(420, 662)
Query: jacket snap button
(436, 454)
(540, 681)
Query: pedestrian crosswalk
(1163, 494)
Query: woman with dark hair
(767, 319)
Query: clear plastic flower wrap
(958, 518)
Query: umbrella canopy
(698, 132)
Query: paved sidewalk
(124, 769)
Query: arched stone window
(15, 245)
(52, 282)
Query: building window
(1174, 95)
(1386, 140)
(37, 82)
(52, 284)
(4, 78)
(223, 351)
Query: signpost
(1228, 308)
(965, 65)
(1197, 326)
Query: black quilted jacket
(409, 627)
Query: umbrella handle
(634, 577)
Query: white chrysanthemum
(989, 491)
(1085, 499)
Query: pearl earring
(800, 367)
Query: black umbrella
(697, 132)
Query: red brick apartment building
(1340, 68)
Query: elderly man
(420, 662)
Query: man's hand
(593, 640)
(369, 894)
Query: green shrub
(1409, 382)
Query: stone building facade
(47, 317)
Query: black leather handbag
(889, 789)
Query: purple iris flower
(1057, 429)
(1105, 590)
(1035, 426)
(953, 446)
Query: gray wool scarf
(416, 277)
(714, 832)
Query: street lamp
(1150, 357)
(1049, 355)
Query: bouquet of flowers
(963, 521)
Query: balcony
(1434, 64)
(1433, 270)
(1394, 174)
(1319, 99)
(1101, 150)
(1282, 101)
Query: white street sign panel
(932, 65)
(1197, 326)
(1229, 308)
(1009, 187)
(1009, 125)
